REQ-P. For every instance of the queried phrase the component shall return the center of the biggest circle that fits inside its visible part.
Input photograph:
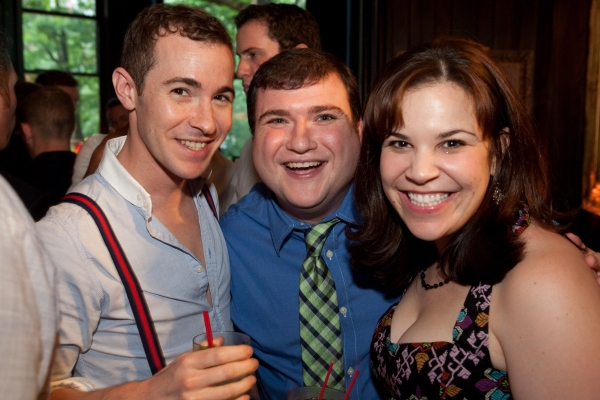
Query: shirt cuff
(77, 383)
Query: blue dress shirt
(266, 249)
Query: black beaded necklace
(427, 286)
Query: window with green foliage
(61, 34)
(226, 11)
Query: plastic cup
(231, 339)
(312, 393)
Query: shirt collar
(282, 224)
(117, 176)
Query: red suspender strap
(136, 298)
(209, 200)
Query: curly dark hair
(288, 24)
(161, 20)
(485, 249)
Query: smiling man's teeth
(193, 145)
(306, 164)
(427, 200)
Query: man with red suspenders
(137, 245)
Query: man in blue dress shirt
(304, 113)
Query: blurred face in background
(254, 47)
(118, 118)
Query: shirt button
(329, 254)
(343, 310)
(145, 204)
(350, 371)
(199, 269)
(139, 196)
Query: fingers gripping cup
(312, 392)
(200, 342)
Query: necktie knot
(315, 237)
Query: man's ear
(301, 46)
(125, 88)
(27, 134)
(504, 143)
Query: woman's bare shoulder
(548, 302)
(551, 277)
(549, 258)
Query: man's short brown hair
(49, 111)
(298, 68)
(288, 24)
(160, 20)
(56, 78)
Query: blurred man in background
(47, 118)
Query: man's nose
(301, 138)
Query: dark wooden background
(369, 33)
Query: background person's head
(519, 172)
(47, 119)
(138, 54)
(117, 116)
(266, 30)
(63, 80)
(304, 112)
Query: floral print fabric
(441, 370)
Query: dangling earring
(498, 195)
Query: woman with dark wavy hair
(453, 187)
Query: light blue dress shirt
(266, 249)
(99, 340)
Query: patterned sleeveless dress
(441, 370)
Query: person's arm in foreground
(192, 375)
(29, 312)
(546, 317)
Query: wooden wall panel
(465, 16)
(561, 95)
(402, 24)
(486, 27)
(442, 24)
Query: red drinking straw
(325, 381)
(347, 396)
(208, 329)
